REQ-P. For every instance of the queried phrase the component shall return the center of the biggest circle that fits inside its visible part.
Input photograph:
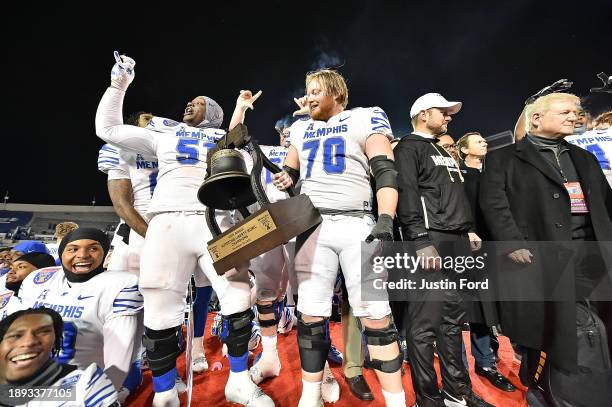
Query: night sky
(490, 56)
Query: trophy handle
(259, 162)
(244, 212)
(213, 226)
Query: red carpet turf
(285, 390)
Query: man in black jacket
(434, 213)
(543, 189)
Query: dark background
(490, 56)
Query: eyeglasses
(449, 146)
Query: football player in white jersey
(102, 311)
(132, 179)
(131, 185)
(29, 340)
(333, 154)
(202, 285)
(24, 265)
(108, 160)
(176, 238)
(273, 271)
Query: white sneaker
(180, 385)
(265, 367)
(247, 393)
(330, 389)
(167, 398)
(200, 364)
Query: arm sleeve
(377, 122)
(110, 127)
(122, 324)
(97, 390)
(120, 339)
(120, 171)
(494, 202)
(108, 158)
(410, 208)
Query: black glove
(560, 86)
(607, 84)
(383, 230)
(124, 232)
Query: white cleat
(265, 367)
(180, 385)
(200, 364)
(246, 393)
(330, 389)
(167, 398)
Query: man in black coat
(525, 197)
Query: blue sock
(200, 310)
(165, 382)
(239, 363)
(134, 377)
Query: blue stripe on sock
(239, 363)
(165, 382)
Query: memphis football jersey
(277, 155)
(142, 171)
(333, 165)
(91, 387)
(599, 143)
(85, 308)
(180, 150)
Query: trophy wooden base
(269, 227)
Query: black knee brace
(274, 308)
(314, 343)
(163, 347)
(236, 332)
(383, 337)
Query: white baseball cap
(429, 100)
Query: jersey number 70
(334, 149)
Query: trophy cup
(230, 187)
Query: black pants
(438, 316)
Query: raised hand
(246, 99)
(303, 107)
(122, 73)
